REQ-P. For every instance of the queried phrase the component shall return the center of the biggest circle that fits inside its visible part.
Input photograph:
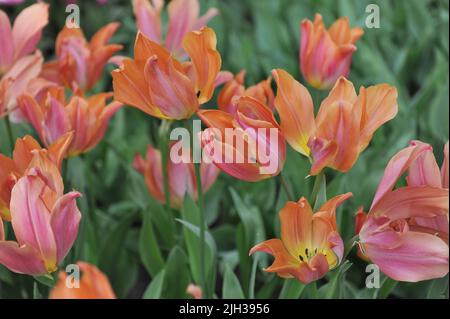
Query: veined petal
(206, 60)
(31, 219)
(27, 28)
(420, 257)
(424, 171)
(295, 107)
(398, 165)
(65, 218)
(283, 258)
(296, 226)
(182, 17)
(148, 17)
(407, 202)
(22, 260)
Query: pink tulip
(181, 176)
(183, 18)
(45, 221)
(22, 38)
(406, 231)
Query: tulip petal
(444, 168)
(206, 60)
(328, 210)
(407, 202)
(27, 28)
(182, 16)
(296, 226)
(424, 170)
(148, 17)
(398, 165)
(420, 257)
(295, 107)
(6, 45)
(22, 260)
(65, 219)
(31, 219)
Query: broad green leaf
(155, 288)
(231, 287)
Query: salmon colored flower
(21, 78)
(79, 64)
(249, 145)
(406, 230)
(88, 118)
(21, 39)
(344, 125)
(183, 18)
(12, 169)
(310, 244)
(93, 284)
(181, 176)
(44, 219)
(235, 88)
(163, 87)
(195, 291)
(326, 55)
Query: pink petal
(444, 168)
(56, 122)
(182, 17)
(65, 220)
(148, 18)
(22, 260)
(420, 257)
(30, 218)
(424, 171)
(28, 27)
(6, 44)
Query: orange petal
(201, 48)
(295, 107)
(328, 210)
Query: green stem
(200, 203)
(10, 133)
(314, 294)
(164, 148)
(316, 188)
(285, 187)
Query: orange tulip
(310, 244)
(12, 169)
(161, 86)
(326, 55)
(343, 126)
(235, 88)
(183, 18)
(181, 177)
(79, 64)
(249, 145)
(88, 118)
(93, 284)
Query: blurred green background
(136, 243)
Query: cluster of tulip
(405, 232)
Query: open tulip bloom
(405, 232)
(310, 244)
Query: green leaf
(387, 286)
(148, 246)
(292, 289)
(155, 288)
(231, 287)
(333, 287)
(46, 280)
(177, 276)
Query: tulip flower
(181, 176)
(344, 125)
(44, 220)
(183, 18)
(161, 86)
(21, 40)
(310, 244)
(248, 146)
(405, 232)
(79, 64)
(12, 169)
(195, 291)
(93, 284)
(235, 88)
(88, 118)
(326, 55)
